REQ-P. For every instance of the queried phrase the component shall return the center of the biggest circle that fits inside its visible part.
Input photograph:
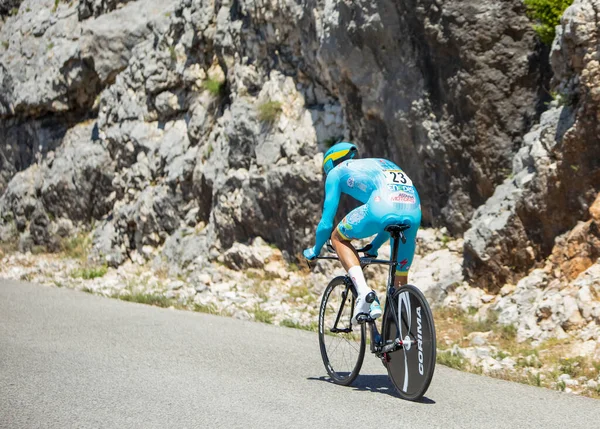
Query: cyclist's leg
(359, 223)
(406, 252)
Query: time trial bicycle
(406, 343)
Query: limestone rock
(78, 181)
(241, 256)
(88, 8)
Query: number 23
(398, 177)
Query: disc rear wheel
(411, 367)
(342, 344)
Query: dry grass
(8, 247)
(269, 111)
(261, 315)
(77, 247)
(89, 272)
(540, 365)
(289, 323)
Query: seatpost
(392, 274)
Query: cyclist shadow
(376, 384)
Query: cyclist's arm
(332, 199)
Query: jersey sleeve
(332, 199)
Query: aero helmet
(337, 154)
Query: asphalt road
(72, 360)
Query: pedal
(363, 318)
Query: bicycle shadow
(376, 384)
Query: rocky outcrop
(556, 172)
(208, 120)
(8, 6)
(52, 69)
(187, 135)
(88, 8)
(254, 93)
(447, 89)
(444, 88)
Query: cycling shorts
(372, 218)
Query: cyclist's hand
(310, 253)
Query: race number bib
(397, 177)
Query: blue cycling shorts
(372, 217)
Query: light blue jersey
(388, 197)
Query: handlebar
(364, 260)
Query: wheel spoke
(342, 352)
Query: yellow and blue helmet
(337, 154)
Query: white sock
(358, 278)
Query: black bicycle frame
(341, 309)
(377, 346)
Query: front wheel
(411, 367)
(342, 344)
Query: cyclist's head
(337, 154)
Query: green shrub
(535, 379)
(547, 14)
(206, 308)
(482, 325)
(332, 140)
(172, 53)
(289, 323)
(572, 366)
(445, 357)
(269, 111)
(89, 273)
(213, 86)
(508, 332)
(148, 299)
(77, 246)
(261, 315)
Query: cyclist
(388, 197)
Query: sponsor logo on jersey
(357, 215)
(346, 225)
(403, 197)
(377, 199)
(350, 182)
(404, 188)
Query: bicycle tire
(411, 367)
(342, 370)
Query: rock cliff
(555, 175)
(203, 123)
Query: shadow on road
(375, 384)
